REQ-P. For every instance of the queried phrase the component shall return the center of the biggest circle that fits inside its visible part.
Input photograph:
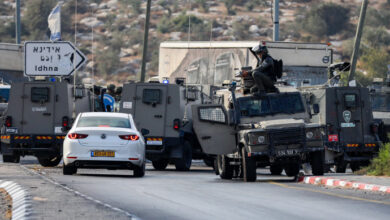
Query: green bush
(325, 19)
(380, 166)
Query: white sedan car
(104, 140)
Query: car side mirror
(316, 108)
(144, 131)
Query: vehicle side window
(151, 96)
(350, 100)
(40, 94)
(212, 114)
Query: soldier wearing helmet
(263, 75)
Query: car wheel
(139, 171)
(292, 169)
(10, 158)
(160, 164)
(184, 163)
(50, 162)
(355, 166)
(69, 169)
(209, 161)
(225, 170)
(248, 167)
(341, 166)
(276, 169)
(317, 163)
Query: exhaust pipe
(76, 164)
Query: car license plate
(102, 154)
(154, 141)
(287, 152)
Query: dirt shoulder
(5, 205)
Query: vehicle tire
(341, 167)
(317, 163)
(139, 171)
(69, 169)
(276, 169)
(225, 170)
(292, 169)
(50, 162)
(216, 170)
(248, 167)
(355, 166)
(11, 158)
(184, 163)
(209, 161)
(160, 164)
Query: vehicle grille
(287, 136)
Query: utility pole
(17, 22)
(276, 20)
(146, 34)
(358, 37)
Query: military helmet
(260, 48)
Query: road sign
(46, 58)
(108, 100)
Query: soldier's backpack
(278, 68)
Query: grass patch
(380, 166)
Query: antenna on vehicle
(188, 47)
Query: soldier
(264, 75)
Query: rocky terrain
(110, 31)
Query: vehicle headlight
(314, 134)
(256, 138)
(309, 135)
(261, 139)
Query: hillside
(115, 28)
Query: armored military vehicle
(164, 109)
(351, 132)
(380, 99)
(38, 116)
(248, 131)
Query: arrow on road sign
(46, 58)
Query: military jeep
(246, 132)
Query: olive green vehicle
(246, 132)
(38, 116)
(352, 134)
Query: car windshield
(380, 103)
(270, 105)
(95, 121)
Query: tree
(375, 62)
(325, 19)
(229, 6)
(135, 5)
(35, 18)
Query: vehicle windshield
(95, 121)
(380, 103)
(270, 105)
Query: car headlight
(309, 135)
(314, 134)
(256, 138)
(261, 139)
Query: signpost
(46, 58)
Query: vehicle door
(150, 109)
(38, 108)
(349, 110)
(210, 123)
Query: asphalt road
(200, 194)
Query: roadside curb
(131, 216)
(325, 181)
(21, 205)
